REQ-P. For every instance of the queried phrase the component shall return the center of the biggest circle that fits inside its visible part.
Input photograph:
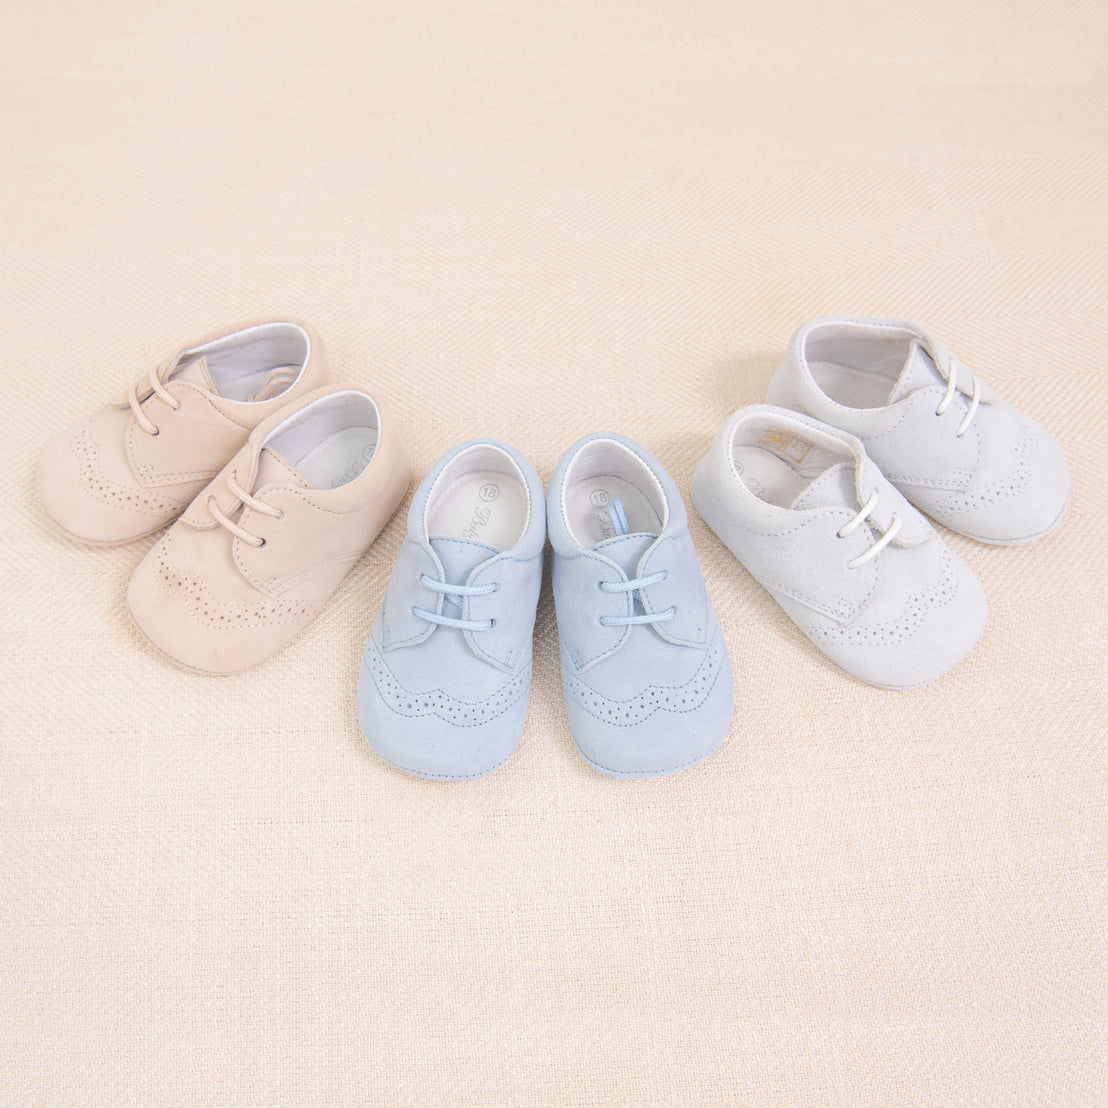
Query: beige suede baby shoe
(259, 552)
(135, 465)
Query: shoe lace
(154, 379)
(454, 594)
(634, 584)
(881, 543)
(952, 388)
(247, 501)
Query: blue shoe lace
(633, 585)
(620, 526)
(454, 594)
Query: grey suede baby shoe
(938, 433)
(853, 564)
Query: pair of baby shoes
(277, 480)
(444, 684)
(819, 493)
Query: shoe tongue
(273, 469)
(197, 372)
(833, 488)
(276, 381)
(460, 557)
(919, 371)
(625, 548)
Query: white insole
(251, 385)
(339, 458)
(854, 388)
(769, 477)
(587, 503)
(484, 505)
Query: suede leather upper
(898, 619)
(449, 702)
(1004, 479)
(216, 602)
(109, 479)
(643, 698)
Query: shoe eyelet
(282, 515)
(156, 432)
(261, 544)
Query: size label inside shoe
(785, 443)
(587, 504)
(483, 505)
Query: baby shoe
(135, 465)
(853, 564)
(936, 431)
(647, 678)
(258, 553)
(444, 684)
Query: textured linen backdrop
(532, 221)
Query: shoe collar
(283, 426)
(790, 434)
(580, 569)
(916, 341)
(516, 571)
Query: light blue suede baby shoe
(444, 683)
(647, 679)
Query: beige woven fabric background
(533, 221)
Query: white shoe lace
(881, 543)
(952, 388)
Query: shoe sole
(206, 672)
(1014, 542)
(103, 543)
(446, 778)
(637, 775)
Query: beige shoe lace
(159, 390)
(247, 501)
